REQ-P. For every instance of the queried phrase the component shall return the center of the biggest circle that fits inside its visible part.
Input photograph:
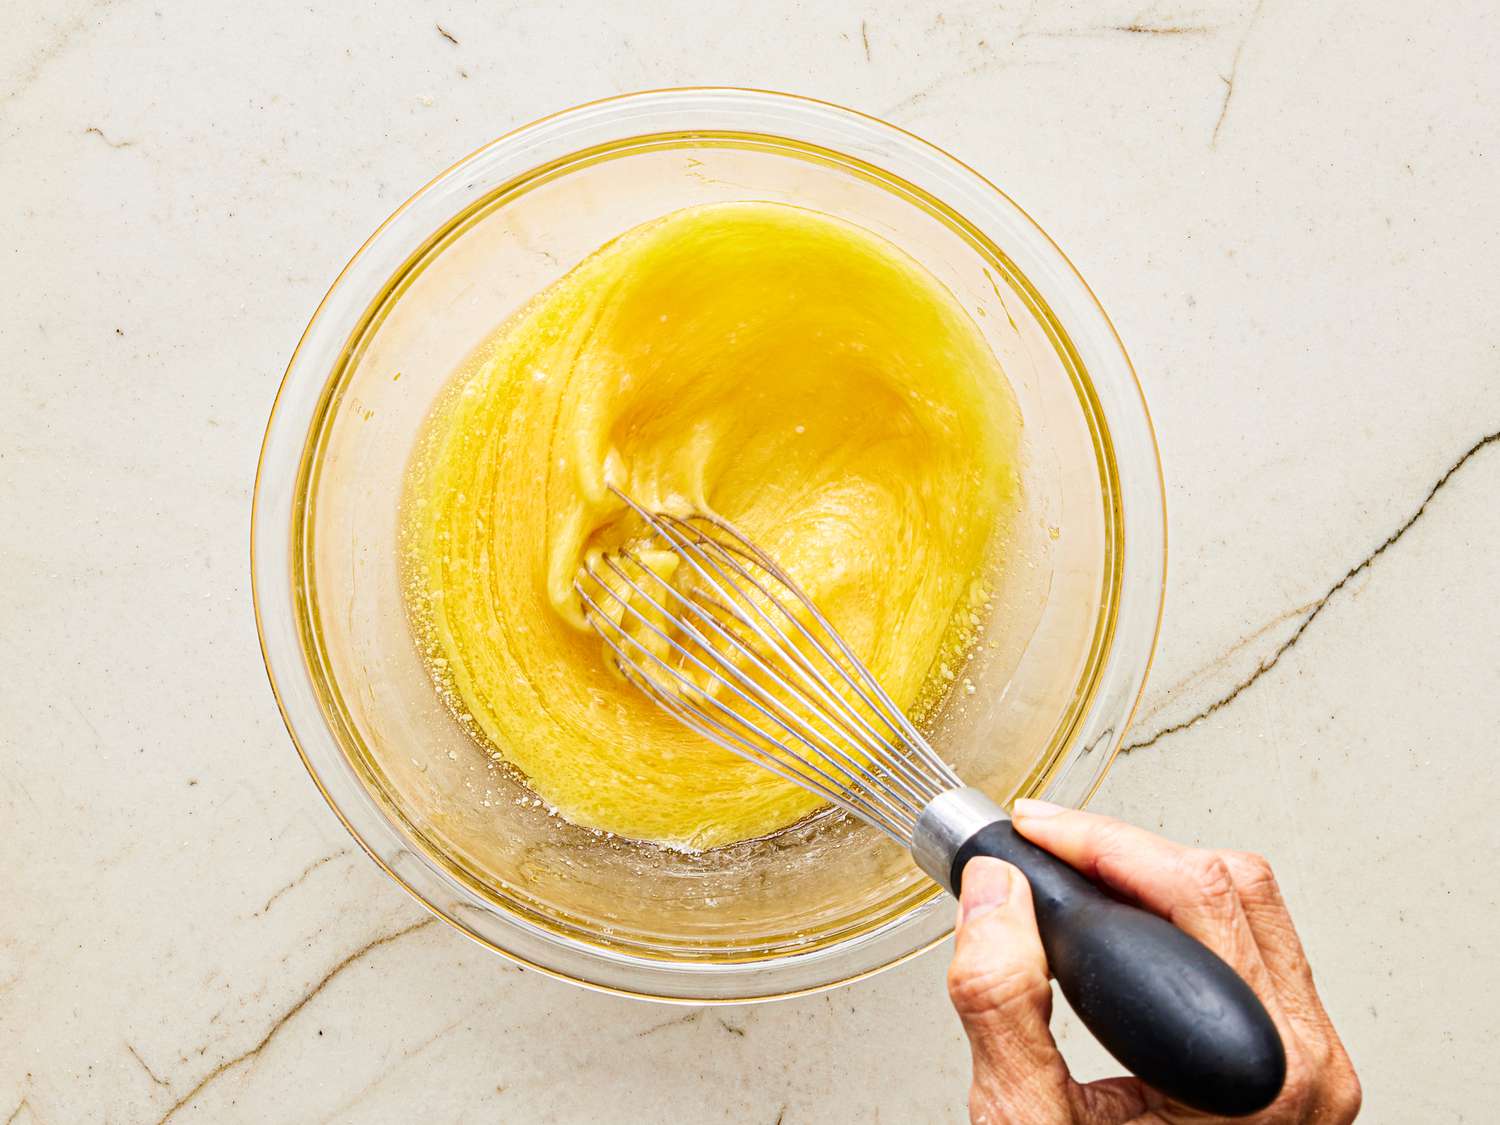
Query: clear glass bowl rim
(1118, 395)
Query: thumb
(998, 985)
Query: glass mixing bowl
(1063, 660)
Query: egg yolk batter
(784, 370)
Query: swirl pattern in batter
(785, 370)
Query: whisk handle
(1164, 1004)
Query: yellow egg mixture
(784, 370)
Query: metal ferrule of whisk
(950, 821)
(730, 646)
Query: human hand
(1227, 900)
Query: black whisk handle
(1160, 1001)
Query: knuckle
(978, 992)
(1110, 845)
(1320, 1087)
(1251, 872)
(1348, 1098)
(1209, 873)
(1344, 1095)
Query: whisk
(708, 626)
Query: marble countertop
(1288, 209)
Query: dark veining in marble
(1024, 30)
(281, 1021)
(98, 132)
(445, 33)
(306, 871)
(1206, 670)
(1159, 29)
(151, 1074)
(691, 1017)
(1118, 29)
(1317, 605)
(1234, 69)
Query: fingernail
(986, 886)
(1027, 807)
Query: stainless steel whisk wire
(814, 726)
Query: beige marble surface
(1290, 211)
